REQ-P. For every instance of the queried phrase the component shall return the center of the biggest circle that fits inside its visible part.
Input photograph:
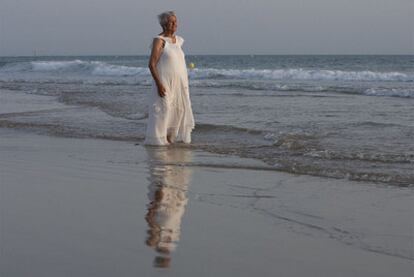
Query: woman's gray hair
(163, 18)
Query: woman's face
(171, 25)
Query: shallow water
(85, 207)
(335, 116)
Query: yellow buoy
(191, 65)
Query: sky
(126, 27)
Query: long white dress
(171, 114)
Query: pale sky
(126, 27)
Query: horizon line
(134, 55)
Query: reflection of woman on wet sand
(167, 193)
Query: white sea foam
(91, 67)
(299, 74)
(396, 92)
(294, 79)
(56, 65)
(259, 85)
(405, 92)
(105, 69)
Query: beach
(79, 207)
(304, 170)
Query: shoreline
(86, 206)
(298, 151)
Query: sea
(337, 116)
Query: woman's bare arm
(157, 46)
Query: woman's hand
(161, 90)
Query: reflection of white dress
(172, 113)
(168, 196)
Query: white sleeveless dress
(171, 114)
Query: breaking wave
(96, 68)
(105, 69)
(370, 83)
(300, 74)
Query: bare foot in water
(169, 139)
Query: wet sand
(86, 207)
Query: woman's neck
(168, 34)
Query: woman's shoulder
(180, 39)
(157, 37)
(155, 40)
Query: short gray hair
(163, 17)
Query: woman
(170, 116)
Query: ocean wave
(94, 68)
(370, 83)
(299, 74)
(103, 69)
(393, 92)
(271, 86)
(98, 68)
(57, 65)
(404, 92)
(362, 156)
(241, 88)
